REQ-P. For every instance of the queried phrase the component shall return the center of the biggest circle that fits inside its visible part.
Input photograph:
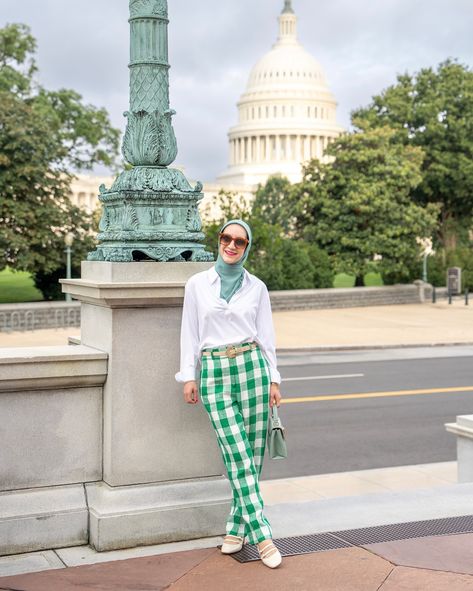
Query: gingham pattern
(235, 393)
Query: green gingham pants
(235, 393)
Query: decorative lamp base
(151, 212)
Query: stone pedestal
(132, 311)
(463, 429)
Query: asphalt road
(371, 409)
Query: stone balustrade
(37, 316)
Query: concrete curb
(330, 348)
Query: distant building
(85, 191)
(287, 114)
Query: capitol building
(287, 115)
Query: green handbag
(276, 438)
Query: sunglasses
(239, 243)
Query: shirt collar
(212, 275)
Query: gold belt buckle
(232, 352)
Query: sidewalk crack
(188, 572)
(386, 578)
(65, 565)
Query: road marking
(345, 375)
(377, 394)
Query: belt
(231, 351)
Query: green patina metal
(151, 211)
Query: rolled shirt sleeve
(265, 334)
(189, 337)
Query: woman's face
(230, 253)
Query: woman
(227, 324)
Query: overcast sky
(361, 44)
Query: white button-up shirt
(209, 321)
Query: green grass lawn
(16, 287)
(344, 280)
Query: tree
(433, 110)
(273, 203)
(358, 207)
(44, 135)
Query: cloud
(361, 45)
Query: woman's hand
(274, 395)
(191, 392)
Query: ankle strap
(268, 550)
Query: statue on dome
(288, 7)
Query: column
(278, 148)
(258, 149)
(267, 146)
(306, 148)
(299, 155)
(250, 149)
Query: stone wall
(36, 316)
(50, 444)
(318, 299)
(24, 317)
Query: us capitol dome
(287, 114)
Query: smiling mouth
(230, 253)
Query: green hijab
(231, 275)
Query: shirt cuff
(185, 376)
(275, 375)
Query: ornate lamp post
(131, 311)
(150, 212)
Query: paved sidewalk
(380, 326)
(436, 563)
(433, 564)
(358, 482)
(296, 506)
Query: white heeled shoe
(232, 544)
(270, 556)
